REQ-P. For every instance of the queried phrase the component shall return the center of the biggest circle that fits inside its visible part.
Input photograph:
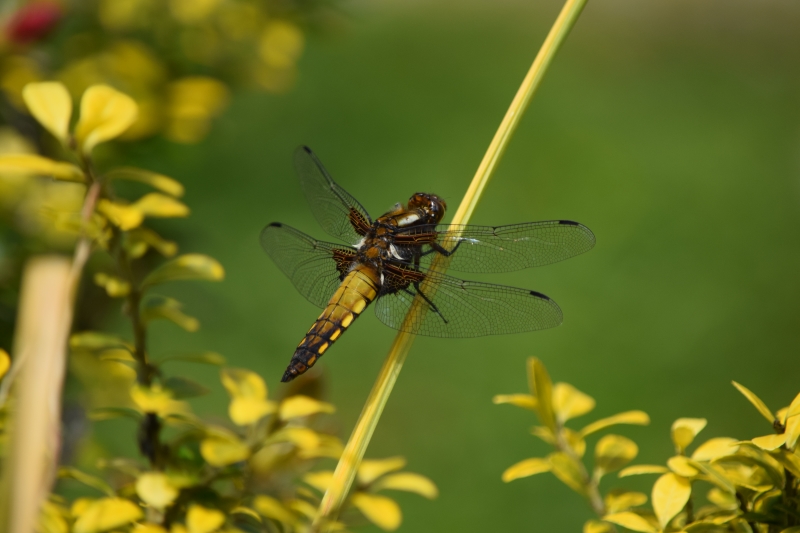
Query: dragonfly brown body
(389, 259)
(364, 275)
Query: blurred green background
(671, 129)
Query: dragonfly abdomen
(358, 289)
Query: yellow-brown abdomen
(358, 289)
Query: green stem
(370, 415)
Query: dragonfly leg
(435, 246)
(430, 303)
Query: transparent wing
(501, 248)
(458, 308)
(337, 212)
(314, 267)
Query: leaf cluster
(251, 473)
(723, 485)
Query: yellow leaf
(638, 470)
(722, 499)
(140, 239)
(96, 341)
(202, 520)
(789, 460)
(178, 528)
(169, 309)
(714, 448)
(319, 480)
(246, 511)
(50, 104)
(544, 433)
(157, 181)
(684, 430)
(221, 450)
(569, 402)
(105, 514)
(638, 418)
(372, 469)
(756, 401)
(125, 217)
(248, 396)
(303, 438)
(186, 267)
(380, 510)
(299, 405)
(80, 505)
(622, 500)
(525, 401)
(793, 529)
(792, 423)
(154, 488)
(670, 494)
(148, 528)
(52, 518)
(596, 526)
(631, 521)
(770, 442)
(612, 452)
(5, 362)
(105, 114)
(542, 389)
(567, 470)
(36, 164)
(114, 286)
(157, 400)
(271, 508)
(160, 205)
(409, 482)
(304, 508)
(682, 466)
(525, 468)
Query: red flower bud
(33, 22)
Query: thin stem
(362, 433)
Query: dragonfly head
(433, 206)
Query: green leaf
(86, 479)
(108, 413)
(95, 341)
(184, 388)
(756, 401)
(206, 358)
(169, 309)
(153, 179)
(186, 267)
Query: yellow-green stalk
(362, 433)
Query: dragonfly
(397, 263)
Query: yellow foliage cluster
(126, 43)
(751, 485)
(250, 473)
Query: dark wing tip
(275, 225)
(540, 295)
(569, 222)
(305, 148)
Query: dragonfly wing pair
(457, 308)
